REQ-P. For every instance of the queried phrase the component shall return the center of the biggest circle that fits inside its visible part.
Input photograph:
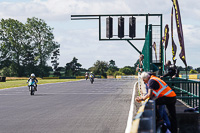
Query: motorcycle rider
(86, 75)
(91, 75)
(34, 79)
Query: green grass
(19, 83)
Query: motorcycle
(91, 79)
(32, 86)
(86, 77)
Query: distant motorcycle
(91, 78)
(86, 77)
(32, 86)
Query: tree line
(103, 68)
(26, 48)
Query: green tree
(42, 40)
(112, 68)
(26, 47)
(13, 38)
(128, 70)
(111, 63)
(29, 63)
(99, 68)
(198, 69)
(7, 71)
(118, 73)
(73, 68)
(54, 61)
(189, 68)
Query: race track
(70, 107)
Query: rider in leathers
(33, 78)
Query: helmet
(32, 75)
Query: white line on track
(130, 116)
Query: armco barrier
(80, 77)
(67, 77)
(193, 76)
(144, 121)
(126, 77)
(118, 77)
(50, 78)
(190, 76)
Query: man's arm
(148, 95)
(142, 98)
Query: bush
(117, 73)
(8, 72)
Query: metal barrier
(187, 90)
(126, 77)
(145, 121)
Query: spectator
(163, 95)
(172, 70)
(140, 66)
(161, 110)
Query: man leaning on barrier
(163, 95)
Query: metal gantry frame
(99, 18)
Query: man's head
(32, 75)
(168, 63)
(145, 77)
(141, 57)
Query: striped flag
(166, 38)
(174, 48)
(180, 31)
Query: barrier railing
(187, 90)
(145, 121)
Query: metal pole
(99, 27)
(134, 47)
(150, 48)
(186, 73)
(199, 96)
(147, 23)
(162, 55)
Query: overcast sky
(80, 39)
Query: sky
(80, 38)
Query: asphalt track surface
(71, 107)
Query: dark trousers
(170, 104)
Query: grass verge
(20, 83)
